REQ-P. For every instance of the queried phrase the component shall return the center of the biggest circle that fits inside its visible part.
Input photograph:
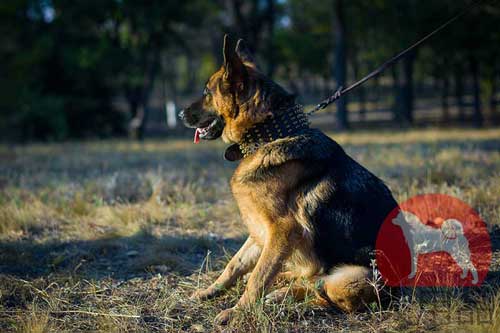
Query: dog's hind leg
(469, 267)
(297, 288)
(242, 262)
(465, 270)
(346, 287)
(285, 276)
(296, 291)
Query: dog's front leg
(276, 249)
(242, 262)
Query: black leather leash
(341, 91)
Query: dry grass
(114, 236)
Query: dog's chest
(260, 204)
(263, 196)
(253, 208)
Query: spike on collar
(287, 122)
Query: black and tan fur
(310, 209)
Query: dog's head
(452, 229)
(235, 97)
(404, 218)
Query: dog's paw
(276, 296)
(203, 294)
(224, 316)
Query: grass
(115, 235)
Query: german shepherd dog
(312, 212)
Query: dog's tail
(346, 287)
(451, 229)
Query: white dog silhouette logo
(423, 239)
(433, 240)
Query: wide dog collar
(286, 123)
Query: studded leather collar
(286, 122)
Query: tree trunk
(444, 99)
(376, 93)
(407, 90)
(397, 97)
(339, 28)
(248, 21)
(477, 115)
(361, 90)
(133, 100)
(459, 93)
(192, 70)
(148, 87)
(133, 105)
(271, 18)
(493, 101)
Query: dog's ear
(234, 68)
(244, 53)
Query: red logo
(433, 240)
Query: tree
(64, 63)
(271, 22)
(340, 70)
(56, 63)
(255, 22)
(80, 55)
(141, 34)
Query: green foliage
(306, 42)
(63, 63)
(208, 65)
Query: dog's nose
(181, 115)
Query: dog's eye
(206, 92)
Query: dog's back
(344, 203)
(340, 203)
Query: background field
(115, 235)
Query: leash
(341, 91)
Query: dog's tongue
(196, 136)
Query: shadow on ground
(119, 258)
(123, 258)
